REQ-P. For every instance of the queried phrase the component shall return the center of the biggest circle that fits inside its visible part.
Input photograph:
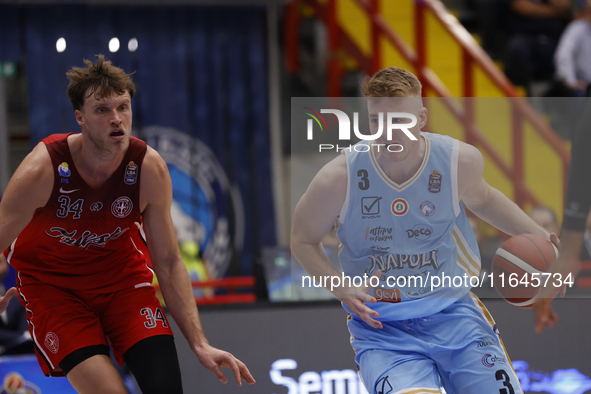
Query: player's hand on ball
(6, 299)
(356, 297)
(212, 359)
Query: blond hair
(392, 82)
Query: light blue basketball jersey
(417, 232)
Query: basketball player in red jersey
(68, 214)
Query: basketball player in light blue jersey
(398, 206)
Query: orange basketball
(519, 265)
(13, 382)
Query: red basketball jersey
(83, 238)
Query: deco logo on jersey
(399, 207)
(370, 205)
(427, 208)
(121, 207)
(421, 232)
(434, 182)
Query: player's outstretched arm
(494, 207)
(314, 216)
(29, 188)
(155, 201)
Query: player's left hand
(555, 240)
(564, 266)
(212, 359)
(545, 316)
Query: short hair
(102, 78)
(392, 82)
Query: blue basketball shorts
(458, 348)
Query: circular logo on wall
(52, 342)
(206, 207)
(399, 207)
(121, 207)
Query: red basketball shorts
(62, 320)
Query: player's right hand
(6, 299)
(213, 358)
(355, 299)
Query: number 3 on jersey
(363, 176)
(152, 318)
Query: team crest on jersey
(64, 170)
(52, 342)
(121, 207)
(130, 173)
(96, 206)
(399, 207)
(427, 208)
(434, 182)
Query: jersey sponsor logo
(96, 206)
(68, 191)
(387, 295)
(383, 386)
(421, 232)
(87, 239)
(385, 261)
(434, 182)
(370, 205)
(130, 173)
(427, 208)
(52, 342)
(121, 207)
(399, 207)
(484, 342)
(489, 360)
(379, 233)
(64, 170)
(418, 292)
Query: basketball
(13, 382)
(519, 265)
